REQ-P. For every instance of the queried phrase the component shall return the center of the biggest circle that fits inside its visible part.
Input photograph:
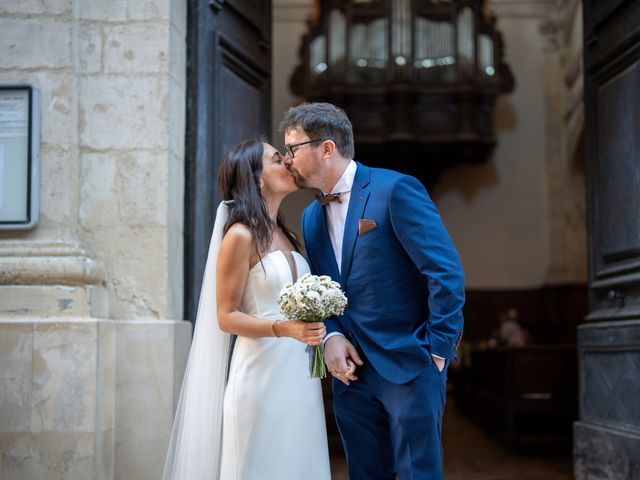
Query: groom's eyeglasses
(289, 149)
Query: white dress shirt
(337, 212)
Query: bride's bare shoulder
(239, 232)
(238, 241)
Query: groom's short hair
(322, 120)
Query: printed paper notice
(1, 174)
(14, 114)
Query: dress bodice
(266, 280)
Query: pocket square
(366, 225)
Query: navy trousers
(392, 431)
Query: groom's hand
(341, 358)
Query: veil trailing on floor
(196, 438)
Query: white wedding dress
(263, 419)
(273, 417)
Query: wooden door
(228, 99)
(607, 436)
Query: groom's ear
(328, 147)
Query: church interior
(478, 101)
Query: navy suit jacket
(403, 279)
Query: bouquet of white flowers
(312, 299)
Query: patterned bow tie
(328, 198)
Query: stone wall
(112, 78)
(90, 339)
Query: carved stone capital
(558, 24)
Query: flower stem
(318, 367)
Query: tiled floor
(471, 455)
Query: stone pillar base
(604, 453)
(86, 398)
(606, 440)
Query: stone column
(91, 341)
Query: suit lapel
(320, 240)
(357, 202)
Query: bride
(258, 416)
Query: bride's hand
(305, 332)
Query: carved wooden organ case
(418, 78)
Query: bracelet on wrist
(273, 328)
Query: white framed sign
(19, 157)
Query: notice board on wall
(19, 157)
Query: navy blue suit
(405, 287)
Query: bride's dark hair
(239, 180)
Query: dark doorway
(228, 99)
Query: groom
(378, 233)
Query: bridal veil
(195, 446)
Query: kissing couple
(252, 412)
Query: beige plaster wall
(497, 213)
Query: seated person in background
(511, 333)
